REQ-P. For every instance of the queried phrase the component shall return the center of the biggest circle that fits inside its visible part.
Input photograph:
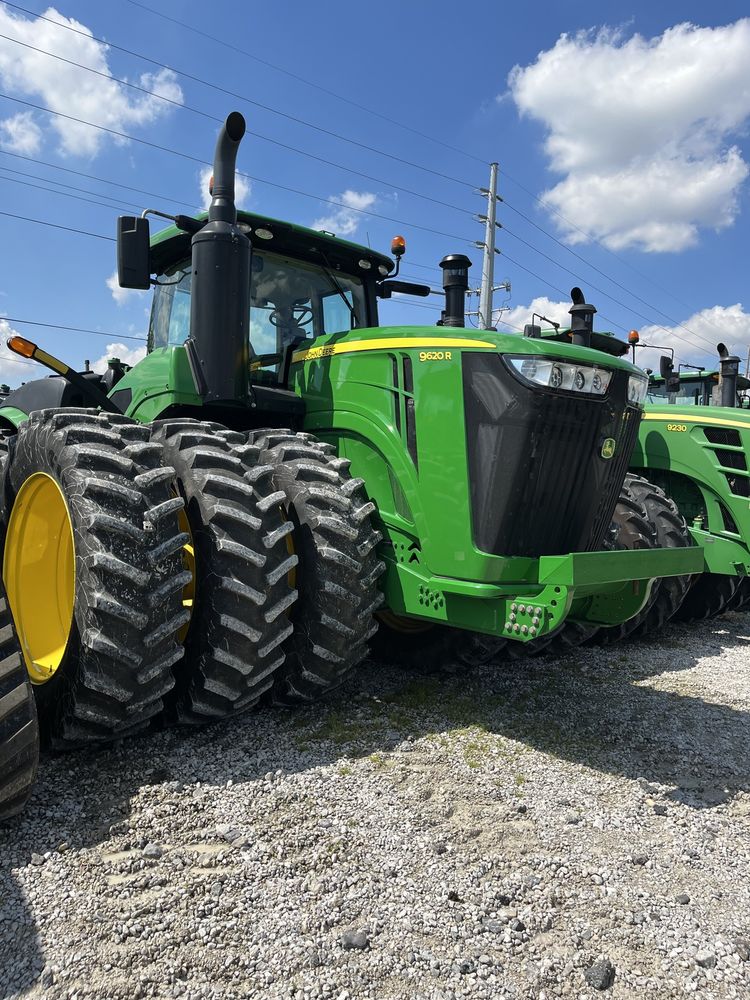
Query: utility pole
(488, 260)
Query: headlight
(637, 389)
(562, 375)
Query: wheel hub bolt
(535, 620)
(537, 611)
(532, 630)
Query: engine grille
(539, 482)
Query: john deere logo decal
(608, 448)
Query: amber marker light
(398, 246)
(634, 337)
(19, 345)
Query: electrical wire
(74, 329)
(257, 135)
(241, 173)
(343, 138)
(62, 194)
(241, 97)
(308, 83)
(54, 225)
(638, 298)
(611, 297)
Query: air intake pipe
(730, 369)
(581, 319)
(220, 294)
(455, 284)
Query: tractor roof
(171, 245)
(701, 376)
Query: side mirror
(133, 245)
(387, 288)
(666, 367)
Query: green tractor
(693, 442)
(281, 482)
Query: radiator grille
(539, 481)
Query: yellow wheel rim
(407, 626)
(39, 574)
(188, 561)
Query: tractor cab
(303, 285)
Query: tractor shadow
(610, 710)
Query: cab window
(291, 301)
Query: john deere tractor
(694, 442)
(237, 514)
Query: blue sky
(632, 130)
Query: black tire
(569, 636)
(234, 641)
(338, 571)
(434, 649)
(741, 596)
(19, 731)
(709, 596)
(669, 592)
(634, 530)
(121, 646)
(630, 529)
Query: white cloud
(345, 220)
(242, 189)
(518, 316)
(642, 129)
(73, 91)
(128, 355)
(121, 295)
(21, 134)
(14, 370)
(694, 341)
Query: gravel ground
(524, 830)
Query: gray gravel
(570, 828)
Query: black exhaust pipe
(581, 319)
(730, 369)
(455, 284)
(220, 293)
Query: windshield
(290, 301)
(691, 392)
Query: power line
(556, 288)
(276, 142)
(611, 297)
(240, 97)
(62, 194)
(604, 274)
(54, 225)
(336, 135)
(241, 173)
(93, 177)
(74, 329)
(308, 83)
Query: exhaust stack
(220, 294)
(730, 369)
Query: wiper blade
(327, 270)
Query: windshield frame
(363, 306)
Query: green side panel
(13, 415)
(160, 380)
(700, 456)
